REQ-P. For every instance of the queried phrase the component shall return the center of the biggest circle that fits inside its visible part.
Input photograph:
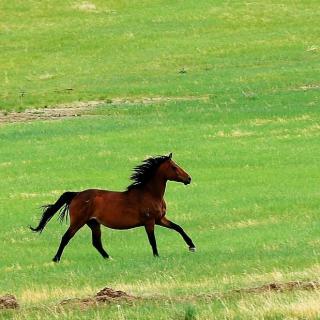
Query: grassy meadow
(60, 51)
(252, 149)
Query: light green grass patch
(249, 209)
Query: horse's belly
(118, 220)
(121, 224)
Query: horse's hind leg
(164, 222)
(65, 239)
(96, 237)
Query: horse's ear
(170, 155)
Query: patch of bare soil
(282, 287)
(106, 295)
(8, 301)
(269, 287)
(77, 109)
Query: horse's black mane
(143, 173)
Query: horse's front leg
(164, 222)
(149, 226)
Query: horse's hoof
(192, 249)
(56, 260)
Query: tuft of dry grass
(86, 6)
(40, 295)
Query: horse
(141, 204)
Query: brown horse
(142, 204)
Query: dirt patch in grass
(106, 295)
(282, 287)
(77, 109)
(269, 287)
(109, 295)
(8, 301)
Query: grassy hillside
(61, 51)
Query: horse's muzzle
(187, 181)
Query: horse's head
(173, 172)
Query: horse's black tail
(49, 210)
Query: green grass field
(55, 52)
(252, 148)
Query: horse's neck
(156, 187)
